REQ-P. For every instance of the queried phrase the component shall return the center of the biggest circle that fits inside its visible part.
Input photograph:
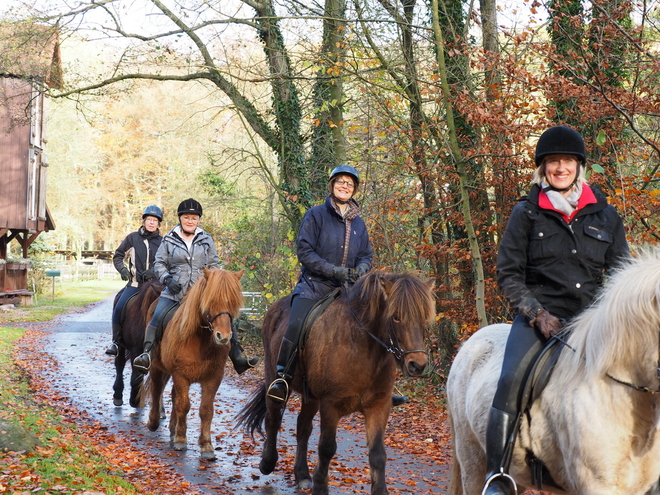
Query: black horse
(131, 344)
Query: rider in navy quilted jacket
(334, 249)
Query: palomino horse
(194, 349)
(349, 364)
(595, 426)
(132, 340)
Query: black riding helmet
(563, 140)
(189, 206)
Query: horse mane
(381, 295)
(619, 331)
(218, 290)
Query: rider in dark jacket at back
(134, 260)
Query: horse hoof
(134, 403)
(153, 427)
(209, 456)
(305, 484)
(266, 467)
(118, 402)
(180, 446)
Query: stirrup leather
(275, 397)
(501, 474)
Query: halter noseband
(210, 320)
(394, 347)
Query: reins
(209, 320)
(646, 390)
(394, 347)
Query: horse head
(407, 308)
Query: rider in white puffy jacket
(183, 254)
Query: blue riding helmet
(153, 211)
(346, 170)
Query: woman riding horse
(333, 249)
(138, 251)
(557, 245)
(180, 260)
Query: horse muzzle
(414, 363)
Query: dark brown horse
(132, 340)
(349, 364)
(194, 349)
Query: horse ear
(386, 285)
(206, 272)
(430, 283)
(238, 275)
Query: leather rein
(394, 347)
(646, 390)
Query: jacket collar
(590, 196)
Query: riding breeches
(127, 293)
(164, 308)
(300, 308)
(523, 346)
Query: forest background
(247, 105)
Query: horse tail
(455, 481)
(251, 417)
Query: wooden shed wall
(22, 170)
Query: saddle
(536, 381)
(317, 310)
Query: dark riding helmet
(189, 206)
(153, 211)
(345, 170)
(563, 140)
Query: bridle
(210, 320)
(637, 387)
(394, 347)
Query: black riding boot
(240, 362)
(399, 400)
(113, 350)
(286, 366)
(142, 363)
(500, 428)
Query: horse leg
(272, 423)
(327, 448)
(137, 379)
(180, 409)
(303, 431)
(375, 423)
(209, 389)
(158, 382)
(118, 386)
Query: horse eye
(396, 319)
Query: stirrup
(140, 367)
(277, 398)
(113, 349)
(504, 475)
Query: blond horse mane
(618, 333)
(218, 290)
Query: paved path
(86, 376)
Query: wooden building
(29, 64)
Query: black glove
(340, 273)
(148, 274)
(360, 270)
(546, 323)
(125, 274)
(173, 285)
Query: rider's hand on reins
(547, 324)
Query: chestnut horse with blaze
(194, 349)
(347, 364)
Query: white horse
(595, 426)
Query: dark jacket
(321, 248)
(545, 262)
(185, 266)
(137, 252)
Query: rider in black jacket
(558, 244)
(134, 260)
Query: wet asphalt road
(86, 376)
